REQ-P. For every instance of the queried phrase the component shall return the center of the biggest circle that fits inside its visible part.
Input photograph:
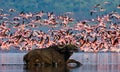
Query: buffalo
(56, 55)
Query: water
(92, 62)
(11, 62)
(81, 8)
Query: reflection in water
(48, 69)
(84, 68)
(92, 62)
(11, 68)
(98, 68)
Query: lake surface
(80, 8)
(92, 62)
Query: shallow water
(92, 62)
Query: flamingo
(118, 6)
